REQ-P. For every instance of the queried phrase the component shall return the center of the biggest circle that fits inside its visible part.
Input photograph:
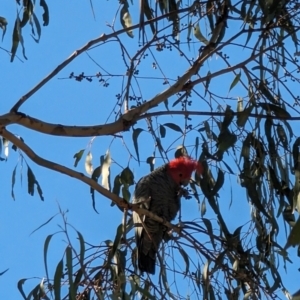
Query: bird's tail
(146, 261)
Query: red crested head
(181, 169)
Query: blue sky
(65, 101)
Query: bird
(159, 193)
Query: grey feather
(158, 193)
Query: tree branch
(81, 177)
(102, 38)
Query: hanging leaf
(69, 263)
(277, 110)
(44, 5)
(235, 81)
(219, 183)
(125, 19)
(162, 131)
(46, 245)
(82, 248)
(13, 180)
(282, 136)
(31, 182)
(135, 135)
(20, 287)
(173, 126)
(180, 151)
(3, 24)
(117, 185)
(127, 176)
(88, 163)
(294, 237)
(198, 34)
(78, 157)
(243, 116)
(105, 171)
(186, 260)
(57, 280)
(151, 161)
(207, 82)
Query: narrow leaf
(125, 19)
(88, 163)
(78, 157)
(69, 262)
(20, 287)
(198, 34)
(294, 236)
(105, 170)
(235, 81)
(49, 220)
(82, 248)
(46, 245)
(57, 280)
(13, 180)
(173, 126)
(162, 131)
(135, 135)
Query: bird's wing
(142, 195)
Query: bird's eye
(180, 174)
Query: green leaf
(27, 12)
(196, 146)
(95, 176)
(69, 263)
(265, 91)
(294, 236)
(173, 127)
(243, 116)
(282, 136)
(209, 228)
(219, 183)
(3, 24)
(49, 220)
(20, 287)
(46, 245)
(117, 185)
(82, 248)
(162, 131)
(198, 34)
(180, 151)
(207, 82)
(125, 193)
(235, 81)
(135, 135)
(277, 110)
(57, 280)
(105, 170)
(3, 272)
(186, 260)
(125, 19)
(17, 38)
(209, 13)
(44, 5)
(78, 157)
(31, 182)
(203, 208)
(127, 176)
(13, 181)
(148, 13)
(117, 239)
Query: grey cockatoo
(159, 192)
